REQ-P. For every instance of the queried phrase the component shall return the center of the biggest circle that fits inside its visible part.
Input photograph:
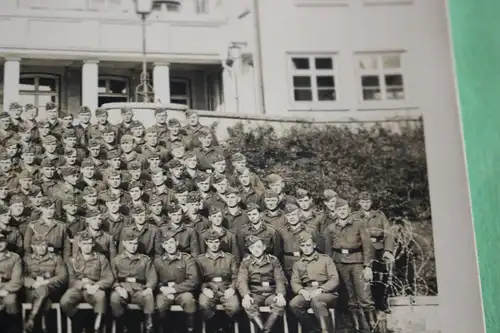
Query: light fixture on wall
(235, 51)
(144, 91)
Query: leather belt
(348, 251)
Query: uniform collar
(217, 255)
(310, 258)
(177, 256)
(263, 260)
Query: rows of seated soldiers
(111, 215)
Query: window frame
(381, 73)
(313, 73)
(189, 95)
(109, 78)
(36, 93)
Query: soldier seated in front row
(45, 278)
(135, 281)
(178, 279)
(314, 278)
(261, 282)
(218, 273)
(90, 276)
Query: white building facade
(328, 59)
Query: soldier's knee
(297, 303)
(11, 302)
(100, 296)
(204, 302)
(187, 302)
(233, 306)
(41, 292)
(115, 298)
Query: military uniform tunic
(187, 238)
(55, 233)
(11, 280)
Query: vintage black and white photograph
(218, 166)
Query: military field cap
(155, 171)
(90, 213)
(341, 203)
(168, 235)
(273, 178)
(127, 139)
(290, 208)
(125, 110)
(3, 183)
(4, 210)
(16, 199)
(189, 154)
(205, 131)
(301, 193)
(110, 197)
(176, 145)
(63, 114)
(69, 171)
(174, 163)
(237, 157)
(48, 163)
(136, 210)
(25, 174)
(30, 106)
(38, 239)
(217, 178)
(190, 112)
(243, 171)
(3, 237)
(173, 207)
(69, 133)
(136, 124)
(217, 158)
(214, 210)
(129, 235)
(86, 163)
(11, 142)
(100, 111)
(151, 130)
(49, 139)
(155, 199)
(154, 156)
(108, 129)
(364, 196)
(212, 235)
(4, 156)
(134, 165)
(304, 237)
(89, 190)
(70, 152)
(47, 202)
(135, 184)
(271, 194)
(193, 197)
(329, 194)
(232, 190)
(173, 122)
(94, 143)
(15, 106)
(4, 115)
(29, 150)
(181, 187)
(113, 154)
(84, 110)
(85, 237)
(201, 177)
(252, 206)
(35, 190)
(43, 123)
(71, 200)
(115, 173)
(160, 110)
(251, 239)
(24, 128)
(50, 106)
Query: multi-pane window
(113, 89)
(180, 91)
(38, 89)
(313, 78)
(381, 77)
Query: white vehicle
(143, 112)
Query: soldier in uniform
(382, 239)
(191, 165)
(16, 110)
(276, 183)
(314, 278)
(348, 243)
(53, 232)
(49, 181)
(70, 140)
(220, 183)
(84, 116)
(151, 145)
(67, 188)
(176, 174)
(128, 152)
(135, 280)
(175, 134)
(258, 227)
(187, 238)
(273, 214)
(6, 131)
(52, 118)
(156, 214)
(11, 234)
(125, 127)
(18, 213)
(114, 220)
(91, 201)
(96, 154)
(193, 129)
(97, 130)
(239, 163)
(261, 282)
(109, 141)
(329, 201)
(90, 178)
(161, 123)
(178, 280)
(202, 182)
(145, 233)
(28, 163)
(73, 221)
(30, 116)
(135, 173)
(206, 151)
(103, 241)
(8, 175)
(159, 186)
(45, 277)
(228, 241)
(218, 273)
(137, 196)
(307, 213)
(137, 129)
(90, 277)
(248, 192)
(234, 216)
(193, 218)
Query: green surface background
(476, 42)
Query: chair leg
(69, 327)
(332, 315)
(59, 321)
(236, 327)
(285, 323)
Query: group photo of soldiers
(163, 217)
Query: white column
(161, 82)
(230, 89)
(90, 79)
(11, 73)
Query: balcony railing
(200, 7)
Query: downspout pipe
(258, 54)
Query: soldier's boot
(97, 323)
(149, 323)
(372, 319)
(190, 322)
(257, 321)
(271, 320)
(326, 325)
(382, 322)
(363, 322)
(37, 305)
(355, 320)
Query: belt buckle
(315, 283)
(374, 240)
(39, 278)
(296, 254)
(265, 284)
(217, 279)
(50, 249)
(344, 251)
(130, 279)
(85, 280)
(171, 284)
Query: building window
(113, 89)
(381, 77)
(180, 91)
(313, 78)
(38, 89)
